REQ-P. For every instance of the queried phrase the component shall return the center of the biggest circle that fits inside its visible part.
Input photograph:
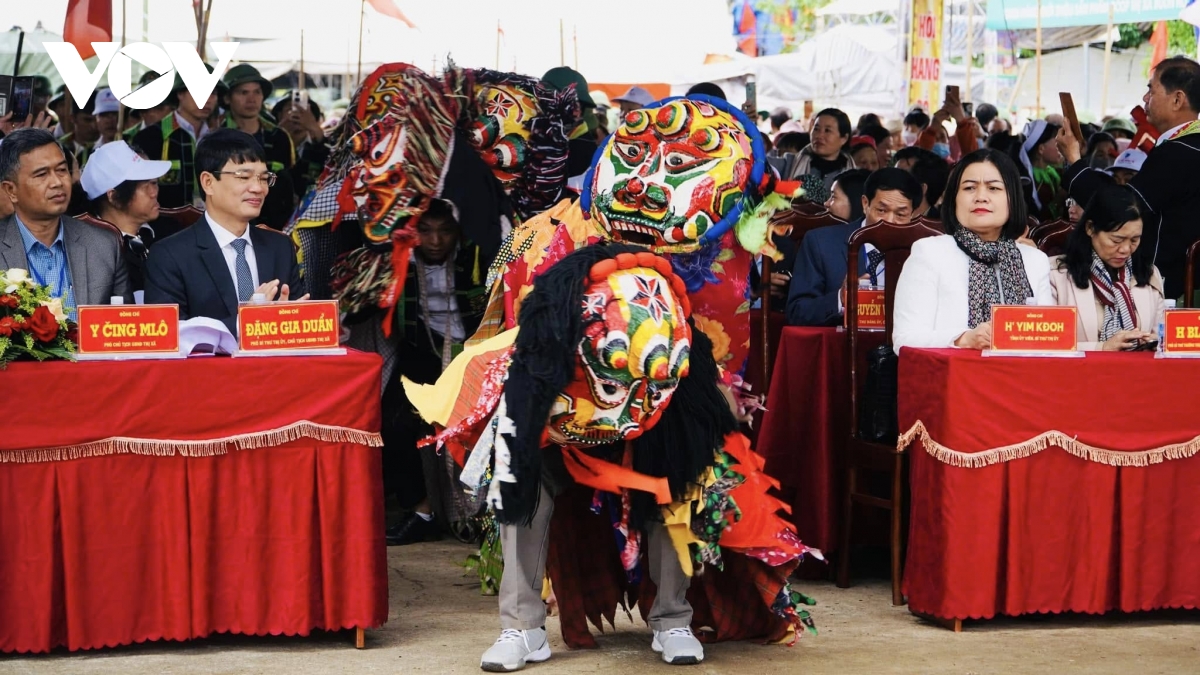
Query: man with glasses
(212, 266)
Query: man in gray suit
(80, 263)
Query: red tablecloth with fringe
(1050, 484)
(175, 499)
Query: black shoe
(411, 530)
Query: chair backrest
(1052, 242)
(895, 243)
(98, 222)
(803, 222)
(1036, 233)
(186, 216)
(1189, 280)
(1031, 223)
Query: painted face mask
(633, 354)
(501, 129)
(672, 175)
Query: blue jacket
(818, 275)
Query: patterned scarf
(1116, 298)
(997, 275)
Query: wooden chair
(895, 242)
(1052, 242)
(802, 222)
(186, 216)
(1036, 233)
(1189, 276)
(98, 222)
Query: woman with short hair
(826, 156)
(1105, 274)
(949, 284)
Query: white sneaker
(678, 646)
(515, 648)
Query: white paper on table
(203, 336)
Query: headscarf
(996, 277)
(1033, 132)
(1115, 297)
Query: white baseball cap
(637, 95)
(113, 164)
(106, 102)
(1131, 159)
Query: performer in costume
(604, 383)
(686, 177)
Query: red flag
(1158, 39)
(88, 21)
(748, 30)
(389, 8)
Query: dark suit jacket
(93, 253)
(189, 270)
(818, 275)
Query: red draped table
(804, 430)
(1050, 485)
(175, 499)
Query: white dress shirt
(932, 306)
(225, 240)
(191, 130)
(442, 303)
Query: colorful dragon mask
(677, 175)
(520, 127)
(635, 349)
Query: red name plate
(871, 309)
(123, 329)
(288, 325)
(1181, 331)
(1022, 328)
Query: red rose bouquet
(33, 325)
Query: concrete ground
(440, 624)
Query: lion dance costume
(613, 322)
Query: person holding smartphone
(1107, 275)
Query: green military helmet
(42, 86)
(243, 73)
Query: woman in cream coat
(1118, 293)
(950, 283)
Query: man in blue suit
(211, 267)
(817, 296)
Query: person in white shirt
(211, 267)
(949, 284)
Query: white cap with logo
(1131, 159)
(113, 164)
(106, 102)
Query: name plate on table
(1027, 330)
(1181, 333)
(280, 328)
(871, 314)
(115, 332)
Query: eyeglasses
(266, 178)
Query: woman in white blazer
(949, 284)
(1116, 290)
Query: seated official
(444, 299)
(210, 267)
(123, 189)
(80, 263)
(817, 296)
(948, 286)
(1107, 277)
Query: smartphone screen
(22, 97)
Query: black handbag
(877, 418)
